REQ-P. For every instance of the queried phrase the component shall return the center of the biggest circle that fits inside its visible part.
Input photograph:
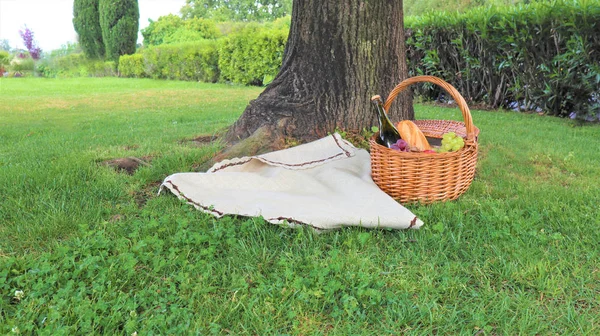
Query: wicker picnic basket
(427, 177)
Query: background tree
(5, 45)
(86, 21)
(157, 30)
(120, 21)
(237, 10)
(172, 29)
(338, 55)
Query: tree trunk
(339, 54)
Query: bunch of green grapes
(451, 143)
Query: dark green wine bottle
(388, 134)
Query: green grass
(98, 252)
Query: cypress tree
(119, 20)
(86, 22)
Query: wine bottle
(388, 134)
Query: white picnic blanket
(325, 184)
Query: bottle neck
(383, 118)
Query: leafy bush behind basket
(541, 56)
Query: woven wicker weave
(427, 177)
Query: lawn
(96, 251)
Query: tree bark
(339, 54)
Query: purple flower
(34, 50)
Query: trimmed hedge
(542, 56)
(185, 61)
(197, 61)
(253, 55)
(132, 66)
(250, 56)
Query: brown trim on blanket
(205, 208)
(413, 222)
(291, 220)
(279, 163)
(345, 152)
(232, 164)
(342, 148)
(299, 164)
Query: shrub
(253, 55)
(185, 61)
(539, 56)
(207, 29)
(132, 66)
(76, 65)
(231, 27)
(183, 35)
(197, 61)
(105, 69)
(4, 61)
(62, 66)
(22, 64)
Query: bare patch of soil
(131, 147)
(200, 140)
(116, 218)
(147, 192)
(129, 164)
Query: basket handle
(462, 104)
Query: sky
(52, 20)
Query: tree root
(265, 139)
